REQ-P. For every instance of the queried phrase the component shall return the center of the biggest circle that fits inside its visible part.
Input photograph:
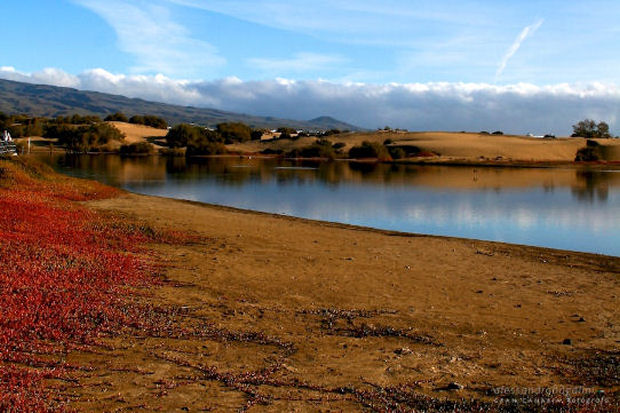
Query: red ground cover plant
(64, 273)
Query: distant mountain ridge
(52, 101)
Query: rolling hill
(51, 101)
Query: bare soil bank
(299, 315)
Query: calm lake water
(558, 208)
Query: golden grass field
(460, 146)
(140, 133)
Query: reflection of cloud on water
(521, 218)
(525, 219)
(410, 209)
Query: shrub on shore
(369, 150)
(180, 135)
(116, 117)
(322, 148)
(205, 147)
(197, 140)
(269, 151)
(172, 151)
(232, 132)
(149, 120)
(397, 153)
(590, 153)
(65, 280)
(84, 138)
(137, 148)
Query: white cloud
(159, 44)
(48, 76)
(515, 108)
(525, 33)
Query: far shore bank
(418, 148)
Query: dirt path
(284, 314)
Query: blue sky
(232, 53)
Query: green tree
(286, 132)
(155, 121)
(149, 120)
(369, 150)
(84, 138)
(102, 133)
(116, 117)
(257, 134)
(33, 127)
(234, 132)
(397, 153)
(589, 129)
(137, 120)
(206, 142)
(181, 134)
(321, 148)
(603, 130)
(137, 148)
(57, 130)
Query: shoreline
(382, 231)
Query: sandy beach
(299, 315)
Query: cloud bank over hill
(517, 108)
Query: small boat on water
(7, 146)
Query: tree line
(205, 141)
(147, 120)
(590, 129)
(77, 133)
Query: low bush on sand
(64, 271)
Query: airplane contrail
(525, 33)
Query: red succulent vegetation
(64, 272)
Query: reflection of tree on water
(112, 169)
(222, 170)
(175, 164)
(366, 168)
(586, 186)
(548, 187)
(591, 185)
